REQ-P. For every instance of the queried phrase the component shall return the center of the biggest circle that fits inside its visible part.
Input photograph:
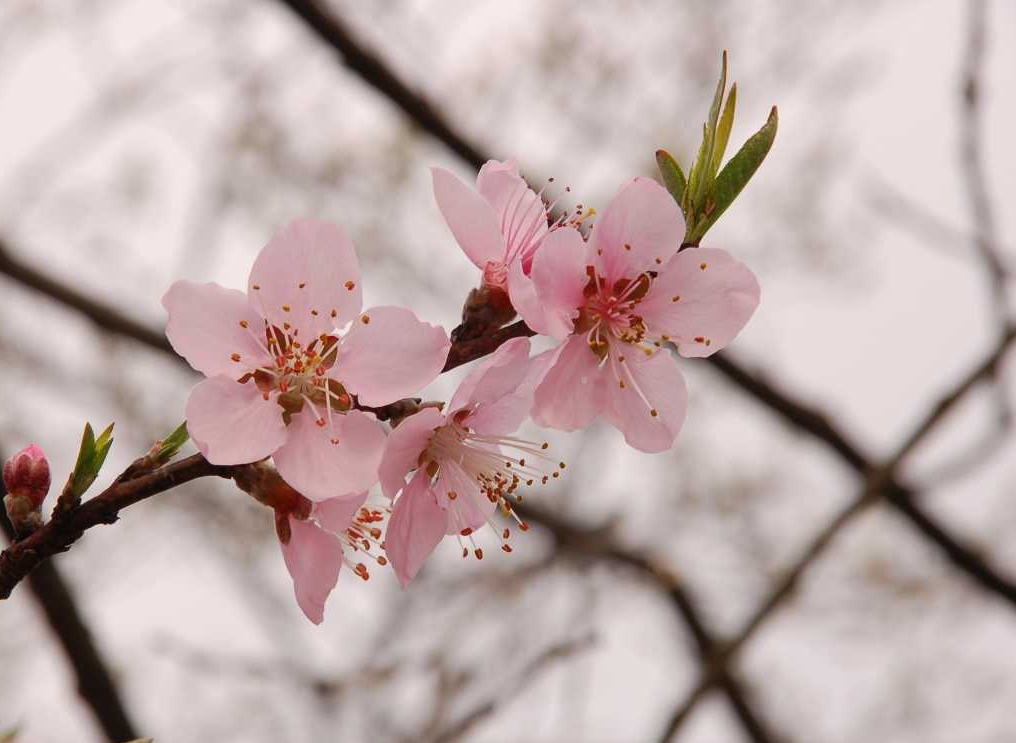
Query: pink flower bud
(26, 475)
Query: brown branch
(94, 681)
(18, 560)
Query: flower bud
(27, 480)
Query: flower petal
(701, 299)
(320, 469)
(469, 508)
(405, 444)
(231, 423)
(494, 377)
(416, 527)
(520, 212)
(313, 558)
(571, 393)
(641, 224)
(204, 327)
(389, 354)
(559, 277)
(508, 413)
(651, 384)
(309, 267)
(470, 218)
(336, 514)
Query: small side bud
(27, 481)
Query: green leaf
(172, 444)
(736, 174)
(673, 176)
(702, 176)
(91, 457)
(723, 130)
(695, 192)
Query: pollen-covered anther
(286, 308)
(234, 356)
(653, 412)
(479, 553)
(334, 440)
(365, 319)
(350, 285)
(244, 324)
(703, 266)
(676, 298)
(302, 284)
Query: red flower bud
(26, 479)
(26, 475)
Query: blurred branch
(599, 544)
(526, 675)
(972, 159)
(373, 70)
(881, 484)
(94, 680)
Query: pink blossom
(500, 223)
(282, 380)
(456, 461)
(615, 300)
(337, 531)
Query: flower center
(299, 373)
(610, 314)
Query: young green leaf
(673, 176)
(736, 174)
(723, 130)
(172, 444)
(91, 457)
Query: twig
(94, 681)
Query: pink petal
(661, 384)
(639, 225)
(717, 296)
(494, 377)
(470, 508)
(520, 212)
(313, 558)
(320, 469)
(571, 393)
(309, 267)
(507, 414)
(405, 444)
(416, 527)
(204, 327)
(470, 218)
(559, 276)
(336, 514)
(231, 423)
(389, 354)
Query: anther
(676, 298)
(365, 319)
(653, 412)
(286, 308)
(479, 553)
(302, 284)
(506, 548)
(703, 266)
(244, 324)
(234, 356)
(466, 532)
(350, 285)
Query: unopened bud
(27, 480)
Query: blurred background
(783, 574)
